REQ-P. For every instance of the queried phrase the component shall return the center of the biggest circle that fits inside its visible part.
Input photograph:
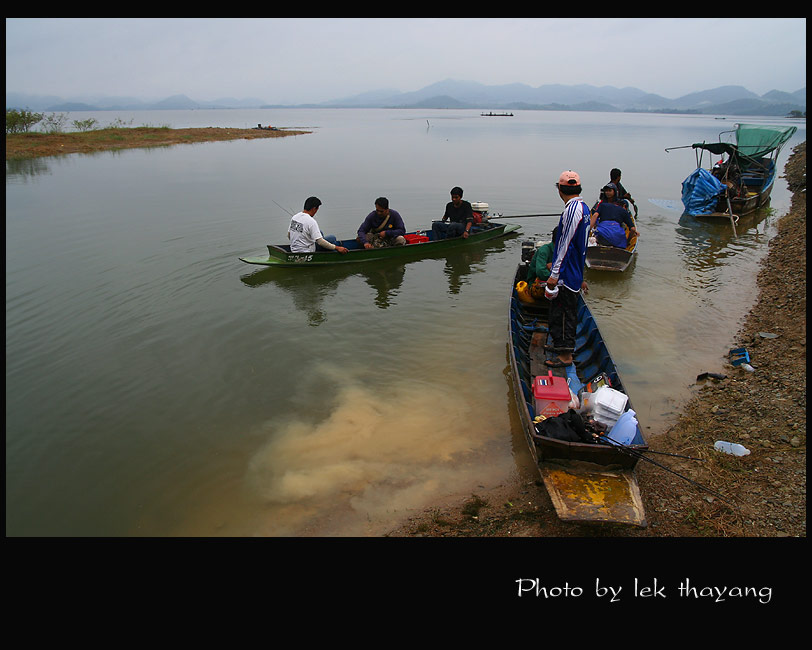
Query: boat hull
(281, 255)
(612, 258)
(586, 482)
(608, 258)
(740, 206)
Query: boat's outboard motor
(480, 211)
(528, 248)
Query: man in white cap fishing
(567, 272)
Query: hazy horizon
(310, 60)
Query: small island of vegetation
(89, 137)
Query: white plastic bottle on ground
(733, 448)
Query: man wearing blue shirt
(567, 272)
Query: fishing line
(524, 216)
(284, 208)
(639, 455)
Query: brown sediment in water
(36, 145)
(764, 410)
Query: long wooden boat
(587, 481)
(742, 180)
(613, 258)
(424, 245)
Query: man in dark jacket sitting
(459, 214)
(383, 227)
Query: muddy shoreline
(762, 494)
(36, 145)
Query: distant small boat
(739, 183)
(496, 114)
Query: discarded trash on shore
(732, 448)
(738, 356)
(710, 375)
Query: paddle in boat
(613, 258)
(741, 180)
(419, 243)
(578, 420)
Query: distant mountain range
(726, 100)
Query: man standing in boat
(567, 272)
(614, 177)
(382, 227)
(304, 232)
(460, 215)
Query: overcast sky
(298, 60)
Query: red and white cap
(569, 177)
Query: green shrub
(54, 123)
(21, 120)
(85, 125)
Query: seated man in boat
(304, 232)
(382, 227)
(730, 176)
(609, 217)
(459, 215)
(539, 268)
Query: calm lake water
(157, 386)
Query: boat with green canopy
(741, 180)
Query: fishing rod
(665, 453)
(638, 454)
(524, 216)
(284, 208)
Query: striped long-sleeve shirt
(569, 256)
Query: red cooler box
(552, 395)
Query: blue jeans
(443, 230)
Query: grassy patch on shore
(35, 145)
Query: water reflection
(458, 264)
(613, 284)
(23, 169)
(308, 287)
(706, 245)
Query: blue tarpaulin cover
(700, 192)
(613, 233)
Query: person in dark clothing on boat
(608, 218)
(614, 177)
(539, 268)
(382, 227)
(567, 272)
(459, 215)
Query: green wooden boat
(424, 245)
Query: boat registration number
(300, 258)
